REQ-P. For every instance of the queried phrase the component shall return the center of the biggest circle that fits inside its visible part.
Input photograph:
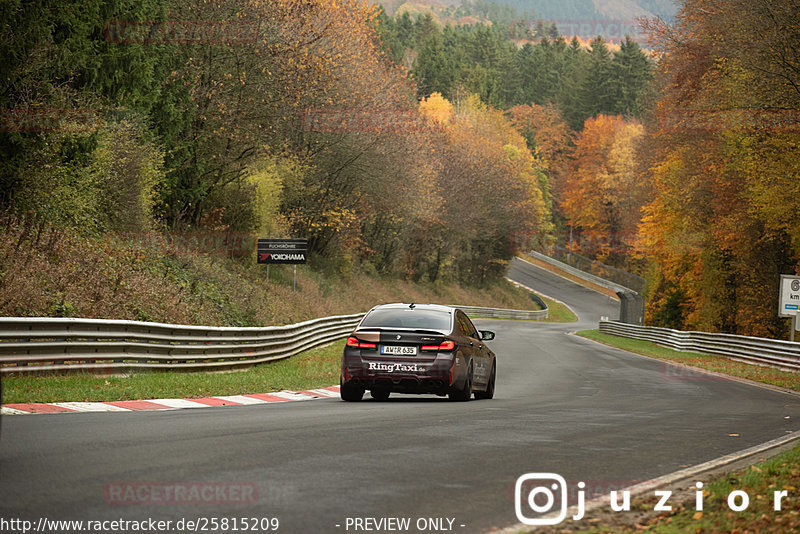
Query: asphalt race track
(563, 405)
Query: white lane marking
(12, 411)
(89, 406)
(548, 296)
(172, 404)
(570, 281)
(291, 395)
(179, 403)
(324, 392)
(240, 399)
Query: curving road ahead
(563, 405)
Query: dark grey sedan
(417, 348)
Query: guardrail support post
(631, 307)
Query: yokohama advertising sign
(283, 251)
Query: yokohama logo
(283, 257)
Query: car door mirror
(487, 335)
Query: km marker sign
(283, 251)
(789, 301)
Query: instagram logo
(539, 492)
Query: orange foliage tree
(599, 196)
(724, 219)
(492, 190)
(549, 138)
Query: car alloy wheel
(489, 393)
(463, 395)
(351, 392)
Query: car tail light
(447, 345)
(356, 343)
(443, 346)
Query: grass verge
(559, 312)
(718, 364)
(759, 482)
(312, 369)
(64, 274)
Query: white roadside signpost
(789, 301)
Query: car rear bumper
(404, 385)
(409, 375)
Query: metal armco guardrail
(606, 272)
(782, 354)
(35, 345)
(42, 345)
(631, 308)
(497, 313)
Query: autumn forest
(416, 150)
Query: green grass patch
(559, 313)
(719, 364)
(132, 277)
(759, 482)
(312, 369)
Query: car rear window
(408, 318)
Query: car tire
(380, 394)
(351, 392)
(464, 394)
(489, 393)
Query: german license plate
(395, 350)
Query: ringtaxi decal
(541, 499)
(400, 524)
(396, 367)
